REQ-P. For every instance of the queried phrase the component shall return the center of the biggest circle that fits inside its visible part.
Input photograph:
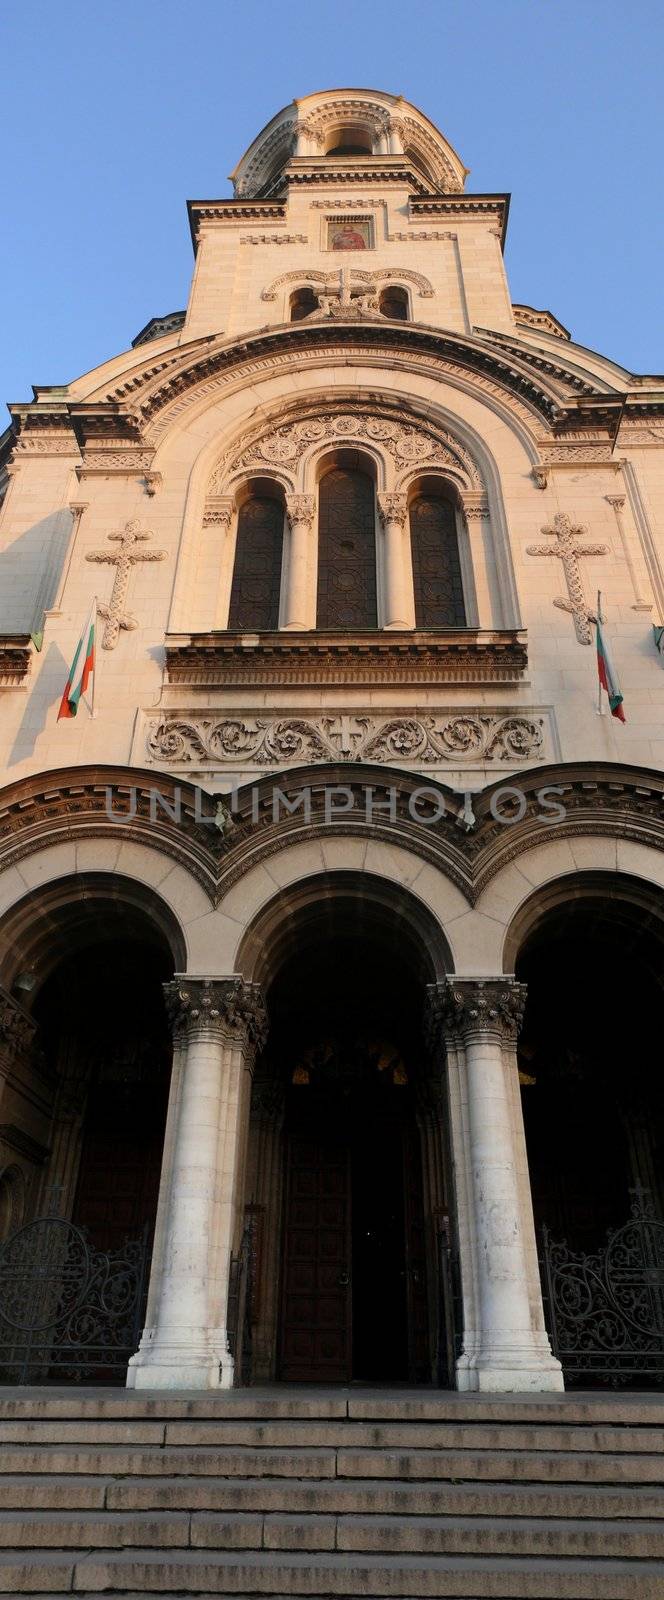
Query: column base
(182, 1363)
(511, 1369)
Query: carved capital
(219, 509)
(471, 1007)
(392, 508)
(228, 1007)
(17, 1027)
(475, 507)
(300, 508)
(615, 500)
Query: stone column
(300, 510)
(218, 1024)
(395, 132)
(506, 1349)
(398, 597)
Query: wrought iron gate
(68, 1311)
(606, 1310)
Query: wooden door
(316, 1335)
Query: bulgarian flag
(607, 673)
(82, 667)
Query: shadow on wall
(30, 570)
(41, 705)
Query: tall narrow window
(257, 572)
(346, 551)
(439, 599)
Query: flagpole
(600, 707)
(93, 712)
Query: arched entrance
(348, 1181)
(85, 1102)
(591, 954)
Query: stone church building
(331, 925)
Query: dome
(358, 125)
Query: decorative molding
(357, 277)
(466, 655)
(15, 658)
(465, 1008)
(598, 799)
(568, 550)
(421, 234)
(274, 238)
(392, 508)
(347, 204)
(542, 321)
(227, 1006)
(468, 738)
(128, 555)
(408, 443)
(219, 511)
(300, 508)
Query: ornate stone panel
(468, 738)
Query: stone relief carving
(568, 550)
(357, 277)
(468, 1006)
(227, 1006)
(274, 238)
(129, 553)
(407, 444)
(466, 738)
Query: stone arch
(627, 895)
(31, 930)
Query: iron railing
(606, 1309)
(68, 1311)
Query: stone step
(282, 1435)
(408, 1464)
(141, 1572)
(419, 1535)
(427, 1405)
(328, 1496)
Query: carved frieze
(466, 739)
(407, 443)
(281, 657)
(15, 655)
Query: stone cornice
(466, 655)
(226, 1006)
(460, 205)
(474, 1008)
(597, 800)
(233, 211)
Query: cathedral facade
(331, 914)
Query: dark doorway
(346, 1040)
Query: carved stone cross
(568, 551)
(123, 560)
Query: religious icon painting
(349, 233)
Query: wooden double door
(354, 1295)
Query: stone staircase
(322, 1493)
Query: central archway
(348, 1189)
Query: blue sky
(113, 115)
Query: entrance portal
(358, 1290)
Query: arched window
(346, 550)
(393, 302)
(349, 141)
(254, 603)
(439, 601)
(302, 303)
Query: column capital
(219, 510)
(475, 1008)
(229, 1007)
(615, 500)
(392, 508)
(300, 508)
(475, 506)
